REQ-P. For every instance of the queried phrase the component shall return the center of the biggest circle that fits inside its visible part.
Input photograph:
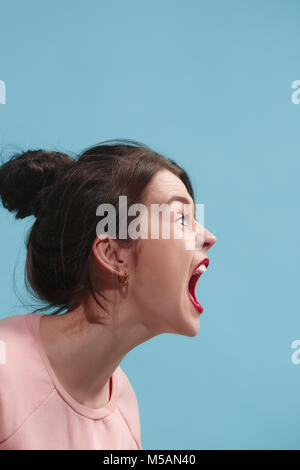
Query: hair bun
(27, 177)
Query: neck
(84, 353)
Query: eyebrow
(181, 199)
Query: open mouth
(198, 271)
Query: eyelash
(182, 217)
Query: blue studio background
(210, 85)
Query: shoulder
(12, 344)
(128, 405)
(23, 380)
(17, 343)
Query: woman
(61, 386)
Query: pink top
(37, 413)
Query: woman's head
(67, 263)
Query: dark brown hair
(63, 194)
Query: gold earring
(124, 281)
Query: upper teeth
(201, 269)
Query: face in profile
(162, 285)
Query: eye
(182, 217)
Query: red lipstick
(192, 285)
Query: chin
(189, 324)
(193, 329)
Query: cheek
(163, 271)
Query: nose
(204, 238)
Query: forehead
(163, 186)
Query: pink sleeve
(20, 395)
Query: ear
(108, 254)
